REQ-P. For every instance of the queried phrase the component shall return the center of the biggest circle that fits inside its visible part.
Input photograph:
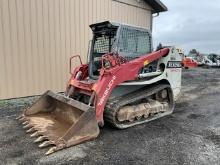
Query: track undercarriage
(140, 106)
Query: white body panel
(171, 73)
(210, 63)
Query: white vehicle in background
(197, 57)
(212, 60)
(200, 59)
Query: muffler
(59, 122)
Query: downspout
(151, 27)
(153, 16)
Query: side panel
(174, 72)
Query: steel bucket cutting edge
(59, 122)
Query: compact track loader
(124, 84)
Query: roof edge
(157, 5)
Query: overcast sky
(189, 24)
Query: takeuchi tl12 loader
(124, 84)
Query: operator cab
(104, 35)
(128, 41)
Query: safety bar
(71, 58)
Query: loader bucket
(59, 122)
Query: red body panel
(189, 63)
(113, 76)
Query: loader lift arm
(110, 78)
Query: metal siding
(2, 58)
(37, 37)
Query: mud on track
(191, 135)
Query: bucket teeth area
(25, 123)
(59, 122)
(27, 126)
(45, 144)
(38, 131)
(19, 117)
(45, 128)
(40, 139)
(51, 150)
(30, 130)
(35, 134)
(22, 119)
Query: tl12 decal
(174, 64)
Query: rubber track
(114, 105)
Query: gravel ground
(191, 135)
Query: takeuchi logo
(105, 94)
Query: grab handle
(71, 58)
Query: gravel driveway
(191, 135)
